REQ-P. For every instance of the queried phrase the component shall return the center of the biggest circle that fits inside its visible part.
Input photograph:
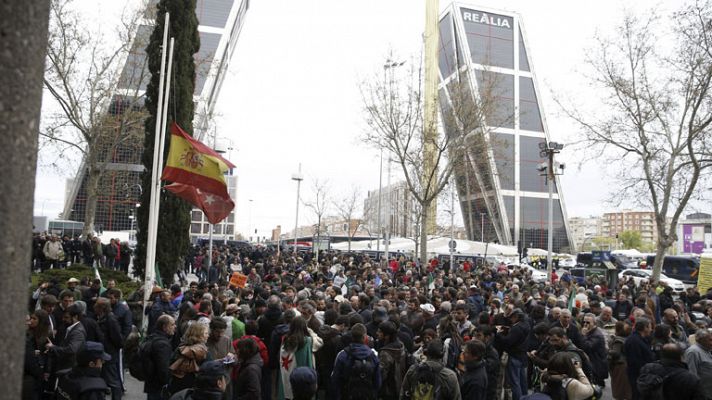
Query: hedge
(79, 271)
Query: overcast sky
(292, 95)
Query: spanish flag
(198, 175)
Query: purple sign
(693, 238)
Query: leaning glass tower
(488, 91)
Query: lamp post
(482, 227)
(249, 219)
(380, 188)
(548, 169)
(299, 178)
(452, 226)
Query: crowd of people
(51, 251)
(343, 326)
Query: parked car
(567, 262)
(643, 275)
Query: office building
(487, 76)
(220, 24)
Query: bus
(681, 268)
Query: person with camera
(564, 379)
(513, 341)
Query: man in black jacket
(393, 360)
(113, 342)
(514, 342)
(638, 352)
(64, 354)
(594, 344)
(678, 383)
(485, 334)
(159, 353)
(474, 380)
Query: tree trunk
(23, 28)
(93, 177)
(425, 207)
(659, 257)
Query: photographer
(564, 379)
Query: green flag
(572, 297)
(158, 280)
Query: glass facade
(503, 195)
(220, 23)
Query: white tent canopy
(436, 245)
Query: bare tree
(346, 208)
(654, 119)
(319, 202)
(394, 114)
(83, 73)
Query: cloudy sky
(292, 95)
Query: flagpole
(155, 182)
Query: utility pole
(299, 178)
(548, 169)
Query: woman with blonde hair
(188, 357)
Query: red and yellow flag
(198, 175)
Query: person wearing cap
(513, 340)
(84, 381)
(449, 385)
(429, 319)
(304, 383)
(72, 287)
(210, 383)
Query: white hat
(428, 308)
(339, 299)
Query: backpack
(427, 383)
(359, 385)
(650, 385)
(141, 364)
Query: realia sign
(486, 19)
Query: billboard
(693, 238)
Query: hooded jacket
(474, 381)
(393, 365)
(339, 376)
(247, 384)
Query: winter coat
(342, 366)
(160, 355)
(594, 345)
(247, 384)
(474, 381)
(515, 342)
(678, 383)
(65, 354)
(393, 365)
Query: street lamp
(482, 227)
(549, 169)
(299, 178)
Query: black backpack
(359, 384)
(141, 364)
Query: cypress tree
(174, 222)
